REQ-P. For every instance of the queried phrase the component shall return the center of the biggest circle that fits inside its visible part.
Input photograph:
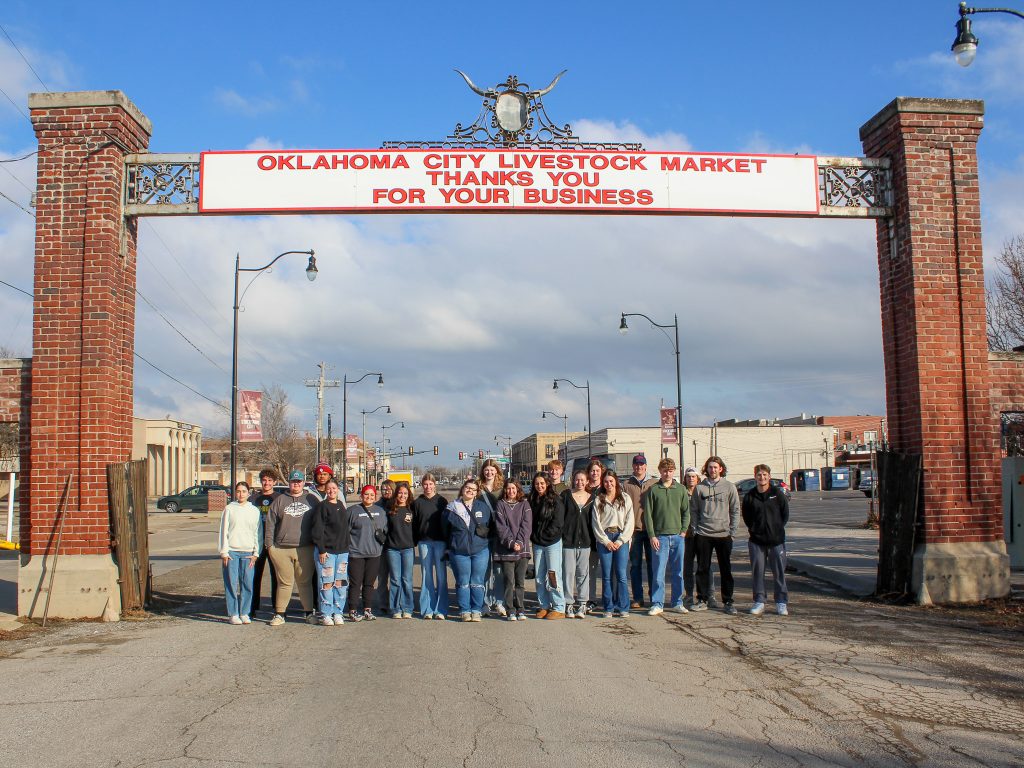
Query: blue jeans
(669, 554)
(400, 575)
(329, 577)
(640, 550)
(434, 581)
(470, 572)
(616, 562)
(238, 574)
(547, 559)
(495, 582)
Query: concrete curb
(861, 586)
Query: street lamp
(311, 273)
(383, 436)
(590, 429)
(965, 45)
(497, 438)
(364, 470)
(623, 329)
(565, 429)
(344, 420)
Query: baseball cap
(297, 474)
(323, 467)
(639, 459)
(691, 470)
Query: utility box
(835, 478)
(1013, 509)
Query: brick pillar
(936, 350)
(83, 341)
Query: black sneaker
(730, 609)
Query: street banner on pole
(668, 426)
(352, 447)
(250, 410)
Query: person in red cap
(322, 472)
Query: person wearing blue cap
(289, 539)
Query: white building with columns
(172, 448)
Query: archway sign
(95, 178)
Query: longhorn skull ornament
(512, 106)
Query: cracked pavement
(839, 682)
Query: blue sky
(471, 317)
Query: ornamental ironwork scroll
(158, 184)
(854, 186)
(512, 116)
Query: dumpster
(835, 478)
(805, 480)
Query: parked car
(745, 485)
(191, 499)
(868, 482)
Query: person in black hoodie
(331, 529)
(765, 513)
(400, 552)
(577, 543)
(548, 519)
(428, 524)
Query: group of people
(597, 527)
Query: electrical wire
(27, 62)
(19, 290)
(182, 383)
(17, 205)
(177, 330)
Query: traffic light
(410, 450)
(436, 451)
(462, 455)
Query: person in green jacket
(666, 517)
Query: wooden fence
(126, 486)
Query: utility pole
(321, 384)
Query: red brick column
(83, 342)
(934, 342)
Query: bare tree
(1004, 305)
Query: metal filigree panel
(512, 116)
(161, 185)
(855, 186)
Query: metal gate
(898, 492)
(126, 486)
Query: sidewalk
(846, 557)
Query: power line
(176, 330)
(26, 157)
(20, 290)
(186, 386)
(17, 205)
(27, 62)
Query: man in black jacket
(765, 513)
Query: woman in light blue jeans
(467, 525)
(546, 537)
(428, 518)
(400, 551)
(239, 546)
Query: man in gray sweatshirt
(289, 541)
(715, 508)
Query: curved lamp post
(590, 429)
(311, 273)
(565, 429)
(344, 419)
(965, 45)
(363, 468)
(623, 329)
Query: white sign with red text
(495, 180)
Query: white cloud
(262, 142)
(626, 131)
(249, 106)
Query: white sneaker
(406, 615)
(655, 610)
(339, 620)
(782, 609)
(680, 608)
(757, 609)
(522, 616)
(512, 617)
(500, 609)
(327, 621)
(246, 620)
(235, 620)
(277, 620)
(570, 612)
